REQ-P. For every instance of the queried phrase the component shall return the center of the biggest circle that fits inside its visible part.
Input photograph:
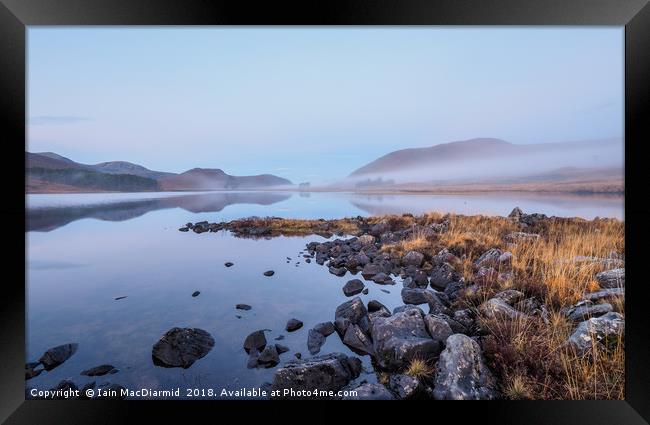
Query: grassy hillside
(86, 179)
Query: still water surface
(84, 250)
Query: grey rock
(412, 258)
(353, 287)
(443, 275)
(195, 293)
(438, 328)
(489, 258)
(269, 357)
(416, 296)
(269, 273)
(605, 294)
(358, 341)
(243, 307)
(255, 340)
(330, 372)
(599, 332)
(370, 270)
(98, 370)
(374, 305)
(281, 348)
(355, 312)
(181, 347)
(403, 308)
(325, 328)
(337, 271)
(228, 264)
(368, 391)
(462, 373)
(57, 355)
(315, 341)
(585, 309)
(382, 279)
(521, 237)
(400, 338)
(614, 278)
(293, 325)
(404, 386)
(497, 308)
(510, 296)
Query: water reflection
(46, 218)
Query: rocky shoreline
(469, 285)
(463, 303)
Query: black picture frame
(16, 15)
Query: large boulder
(443, 275)
(598, 332)
(462, 373)
(412, 258)
(614, 278)
(355, 312)
(399, 338)
(181, 347)
(57, 355)
(329, 372)
(368, 391)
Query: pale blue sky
(313, 104)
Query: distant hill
(216, 179)
(123, 167)
(473, 152)
(50, 172)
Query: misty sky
(313, 104)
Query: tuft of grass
(420, 369)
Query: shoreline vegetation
(520, 307)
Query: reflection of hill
(45, 219)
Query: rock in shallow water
(99, 370)
(269, 273)
(243, 307)
(353, 287)
(181, 347)
(57, 355)
(255, 340)
(315, 341)
(293, 325)
(462, 373)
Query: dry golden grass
(420, 369)
(529, 356)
